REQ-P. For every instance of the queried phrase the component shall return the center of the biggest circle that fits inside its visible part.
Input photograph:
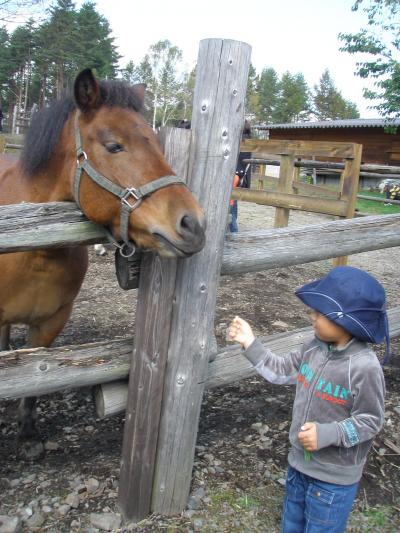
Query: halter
(126, 195)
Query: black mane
(45, 130)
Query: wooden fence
(163, 402)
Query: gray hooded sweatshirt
(342, 391)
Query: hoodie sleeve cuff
(327, 435)
(256, 352)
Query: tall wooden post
(217, 122)
(180, 325)
(349, 188)
(153, 323)
(285, 184)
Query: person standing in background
(242, 178)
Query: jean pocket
(319, 504)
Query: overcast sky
(288, 35)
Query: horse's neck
(52, 184)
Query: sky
(287, 35)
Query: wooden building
(379, 147)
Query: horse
(92, 147)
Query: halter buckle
(134, 193)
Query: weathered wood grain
(248, 251)
(264, 249)
(29, 226)
(152, 325)
(287, 201)
(217, 123)
(343, 150)
(38, 371)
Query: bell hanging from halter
(127, 268)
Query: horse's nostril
(190, 227)
(187, 223)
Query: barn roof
(350, 123)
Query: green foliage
(38, 62)
(294, 102)
(168, 92)
(268, 95)
(380, 44)
(329, 103)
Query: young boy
(339, 403)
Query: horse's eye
(113, 148)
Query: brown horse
(95, 149)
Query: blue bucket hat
(352, 299)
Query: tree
(268, 94)
(252, 95)
(329, 103)
(380, 41)
(11, 9)
(96, 46)
(5, 70)
(293, 103)
(158, 70)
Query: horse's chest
(40, 285)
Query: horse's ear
(140, 90)
(87, 91)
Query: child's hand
(308, 436)
(240, 331)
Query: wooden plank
(217, 122)
(149, 358)
(284, 186)
(37, 371)
(300, 187)
(260, 250)
(50, 225)
(349, 188)
(299, 148)
(291, 201)
(256, 250)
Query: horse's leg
(42, 334)
(5, 337)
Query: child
(339, 403)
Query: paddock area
(242, 442)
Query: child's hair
(352, 299)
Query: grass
(375, 208)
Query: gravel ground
(240, 463)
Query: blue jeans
(233, 211)
(313, 506)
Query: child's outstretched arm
(240, 331)
(274, 368)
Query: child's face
(329, 331)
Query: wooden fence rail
(37, 371)
(38, 226)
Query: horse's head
(118, 145)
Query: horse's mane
(45, 129)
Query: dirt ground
(240, 463)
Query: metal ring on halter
(79, 154)
(129, 247)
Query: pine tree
(293, 103)
(329, 103)
(96, 46)
(252, 95)
(268, 94)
